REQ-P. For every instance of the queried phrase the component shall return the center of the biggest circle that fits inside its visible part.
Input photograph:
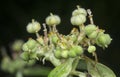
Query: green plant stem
(78, 73)
(82, 34)
(37, 34)
(36, 71)
(75, 63)
(19, 74)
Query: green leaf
(99, 70)
(82, 65)
(62, 70)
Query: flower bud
(57, 53)
(73, 38)
(77, 49)
(33, 56)
(93, 35)
(90, 28)
(31, 43)
(79, 11)
(64, 54)
(17, 45)
(78, 20)
(55, 39)
(72, 53)
(25, 47)
(91, 49)
(33, 27)
(53, 20)
(25, 56)
(103, 40)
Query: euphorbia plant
(67, 52)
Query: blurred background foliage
(16, 14)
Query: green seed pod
(73, 38)
(77, 49)
(35, 48)
(72, 53)
(31, 62)
(54, 39)
(90, 28)
(33, 56)
(91, 49)
(57, 53)
(17, 45)
(52, 20)
(78, 19)
(25, 56)
(31, 44)
(64, 54)
(79, 11)
(93, 35)
(33, 27)
(25, 47)
(103, 40)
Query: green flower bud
(57, 53)
(72, 53)
(33, 27)
(25, 56)
(73, 38)
(77, 49)
(17, 45)
(25, 47)
(35, 48)
(55, 39)
(31, 44)
(33, 55)
(31, 62)
(79, 11)
(78, 20)
(103, 40)
(64, 54)
(93, 35)
(90, 28)
(91, 49)
(52, 20)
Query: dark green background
(15, 15)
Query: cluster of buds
(55, 47)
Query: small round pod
(77, 49)
(31, 43)
(25, 56)
(33, 55)
(73, 38)
(52, 20)
(72, 53)
(64, 53)
(79, 11)
(90, 28)
(93, 35)
(33, 27)
(57, 53)
(91, 49)
(54, 38)
(103, 40)
(17, 45)
(78, 19)
(25, 47)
